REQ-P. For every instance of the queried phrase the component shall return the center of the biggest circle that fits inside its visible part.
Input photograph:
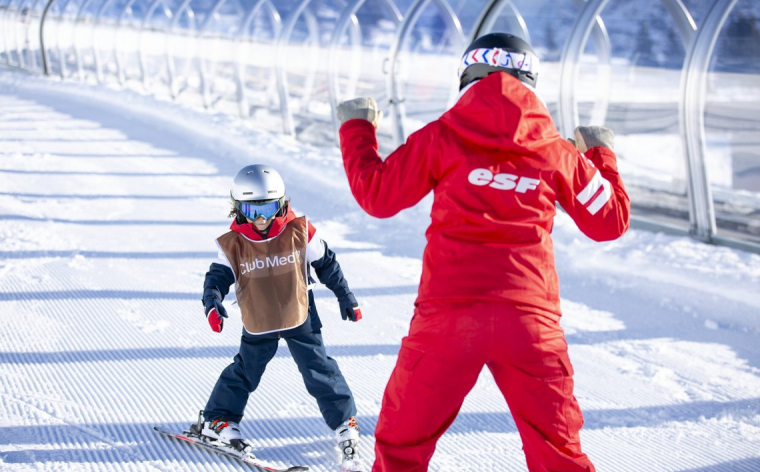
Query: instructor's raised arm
(383, 188)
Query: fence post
(43, 50)
(692, 109)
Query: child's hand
(349, 308)
(215, 311)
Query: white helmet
(257, 182)
(254, 186)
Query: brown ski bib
(270, 277)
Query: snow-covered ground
(109, 205)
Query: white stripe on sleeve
(600, 200)
(315, 249)
(590, 189)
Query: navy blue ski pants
(321, 375)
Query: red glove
(215, 321)
(349, 308)
(215, 312)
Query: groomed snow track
(109, 206)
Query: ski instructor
(489, 293)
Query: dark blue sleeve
(220, 277)
(329, 273)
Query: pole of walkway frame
(692, 109)
(43, 49)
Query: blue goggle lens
(253, 210)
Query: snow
(110, 202)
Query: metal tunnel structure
(678, 81)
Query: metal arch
(243, 106)
(282, 81)
(355, 35)
(568, 107)
(121, 74)
(13, 25)
(173, 87)
(396, 102)
(215, 9)
(95, 50)
(20, 36)
(684, 22)
(604, 52)
(43, 50)
(4, 22)
(32, 57)
(140, 49)
(692, 111)
(182, 6)
(205, 76)
(604, 70)
(491, 13)
(8, 30)
(61, 55)
(312, 26)
(333, 91)
(77, 52)
(21, 19)
(348, 15)
(273, 13)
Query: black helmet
(498, 52)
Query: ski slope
(110, 202)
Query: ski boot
(224, 434)
(347, 436)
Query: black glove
(215, 312)
(349, 308)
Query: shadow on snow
(139, 439)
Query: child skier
(266, 255)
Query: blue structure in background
(677, 80)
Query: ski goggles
(254, 210)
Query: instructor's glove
(362, 108)
(215, 311)
(587, 137)
(349, 308)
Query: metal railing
(240, 54)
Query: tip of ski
(258, 464)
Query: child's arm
(220, 277)
(215, 287)
(328, 271)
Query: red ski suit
(489, 293)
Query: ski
(253, 461)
